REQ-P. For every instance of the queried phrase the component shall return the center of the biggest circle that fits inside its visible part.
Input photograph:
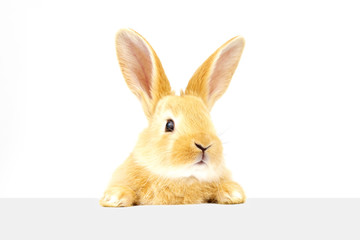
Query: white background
(289, 121)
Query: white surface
(256, 219)
(289, 121)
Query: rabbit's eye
(170, 125)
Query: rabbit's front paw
(120, 196)
(230, 193)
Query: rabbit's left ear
(213, 77)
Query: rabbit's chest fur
(154, 189)
(134, 184)
(175, 191)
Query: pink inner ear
(223, 70)
(139, 62)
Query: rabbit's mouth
(201, 162)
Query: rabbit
(178, 158)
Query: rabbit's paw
(230, 193)
(120, 196)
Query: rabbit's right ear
(141, 69)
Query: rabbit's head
(180, 140)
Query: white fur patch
(205, 172)
(236, 194)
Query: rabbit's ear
(142, 69)
(213, 77)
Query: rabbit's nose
(201, 147)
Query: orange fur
(169, 167)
